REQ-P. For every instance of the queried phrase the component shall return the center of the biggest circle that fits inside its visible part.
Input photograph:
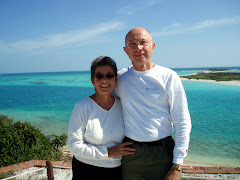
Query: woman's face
(104, 79)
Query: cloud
(68, 39)
(136, 6)
(180, 28)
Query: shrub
(59, 141)
(20, 142)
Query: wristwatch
(177, 166)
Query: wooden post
(49, 170)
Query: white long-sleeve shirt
(92, 130)
(153, 101)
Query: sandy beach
(237, 83)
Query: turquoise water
(46, 101)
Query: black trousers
(82, 171)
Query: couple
(136, 128)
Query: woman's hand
(120, 150)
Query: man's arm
(181, 119)
(182, 125)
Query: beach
(237, 83)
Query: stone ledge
(68, 164)
(34, 163)
(210, 170)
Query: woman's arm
(76, 144)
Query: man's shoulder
(157, 69)
(164, 70)
(124, 70)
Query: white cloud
(67, 39)
(136, 6)
(180, 28)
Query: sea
(46, 100)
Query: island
(215, 75)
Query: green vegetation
(22, 142)
(219, 69)
(215, 76)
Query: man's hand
(121, 150)
(173, 174)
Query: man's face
(139, 47)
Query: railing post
(49, 170)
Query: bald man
(154, 106)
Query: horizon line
(192, 68)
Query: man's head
(139, 48)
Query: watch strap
(177, 166)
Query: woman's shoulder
(84, 101)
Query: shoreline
(194, 163)
(235, 83)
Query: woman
(96, 131)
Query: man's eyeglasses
(100, 76)
(134, 44)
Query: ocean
(46, 101)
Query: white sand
(237, 83)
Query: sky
(67, 35)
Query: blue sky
(66, 35)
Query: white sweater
(92, 130)
(153, 101)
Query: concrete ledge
(64, 165)
(34, 163)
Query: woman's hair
(103, 61)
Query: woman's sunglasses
(101, 76)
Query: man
(153, 101)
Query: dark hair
(103, 61)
